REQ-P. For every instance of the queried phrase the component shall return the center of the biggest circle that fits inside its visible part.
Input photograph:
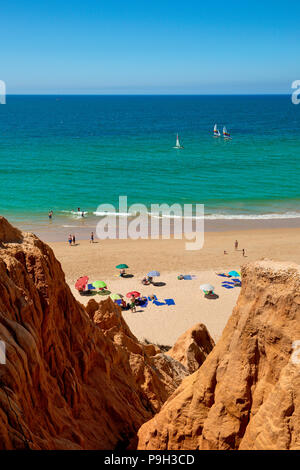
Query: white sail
(177, 145)
(226, 133)
(216, 131)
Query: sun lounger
(156, 302)
(228, 287)
(223, 275)
(170, 301)
(143, 304)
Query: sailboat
(216, 131)
(177, 145)
(226, 134)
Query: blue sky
(150, 46)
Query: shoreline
(56, 231)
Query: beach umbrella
(81, 282)
(234, 273)
(153, 274)
(207, 287)
(115, 296)
(122, 266)
(134, 293)
(99, 284)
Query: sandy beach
(164, 324)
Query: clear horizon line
(148, 94)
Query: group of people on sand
(72, 240)
(236, 245)
(133, 303)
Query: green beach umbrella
(122, 266)
(99, 284)
(115, 296)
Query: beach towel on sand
(228, 287)
(170, 301)
(156, 302)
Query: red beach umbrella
(134, 293)
(81, 282)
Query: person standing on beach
(243, 251)
(73, 239)
(133, 305)
(236, 244)
(70, 240)
(50, 214)
(92, 237)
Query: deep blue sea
(64, 152)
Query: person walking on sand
(243, 251)
(73, 240)
(236, 244)
(70, 240)
(133, 305)
(92, 237)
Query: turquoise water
(65, 152)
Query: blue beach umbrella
(233, 273)
(153, 274)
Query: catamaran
(226, 134)
(216, 131)
(177, 145)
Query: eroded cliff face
(193, 347)
(246, 395)
(74, 378)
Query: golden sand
(164, 324)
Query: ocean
(65, 152)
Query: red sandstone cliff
(192, 347)
(75, 378)
(246, 395)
